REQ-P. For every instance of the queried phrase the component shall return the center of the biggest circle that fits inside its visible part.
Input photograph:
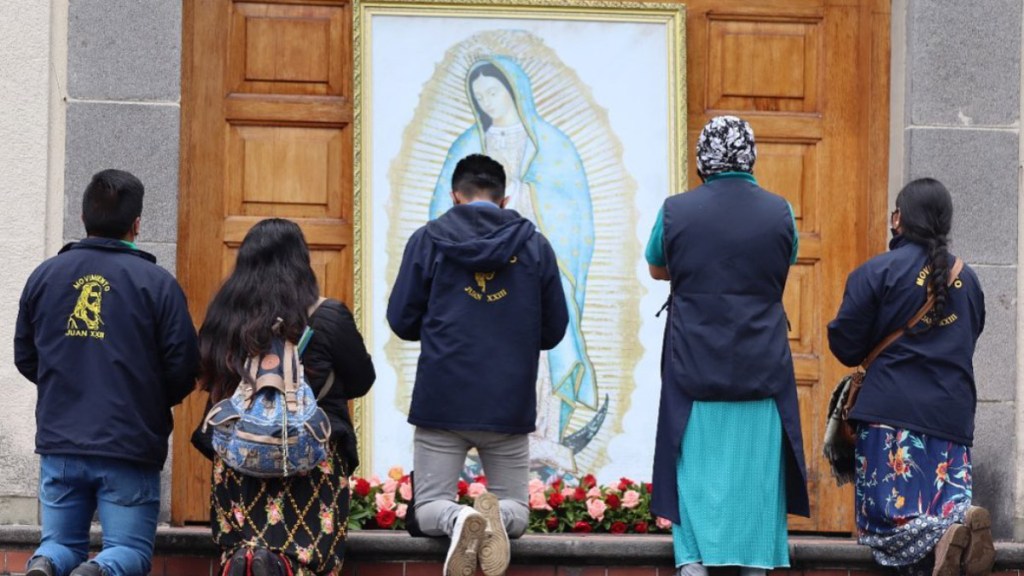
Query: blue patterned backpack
(271, 427)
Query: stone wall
(25, 70)
(961, 125)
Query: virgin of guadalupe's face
(493, 97)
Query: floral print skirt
(303, 517)
(910, 487)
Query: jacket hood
(97, 243)
(480, 237)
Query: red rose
(613, 502)
(556, 499)
(640, 527)
(551, 522)
(589, 481)
(463, 488)
(618, 528)
(649, 487)
(362, 488)
(557, 485)
(580, 495)
(582, 527)
(385, 518)
(481, 479)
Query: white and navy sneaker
(466, 539)
(495, 553)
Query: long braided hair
(926, 217)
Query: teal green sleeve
(796, 235)
(656, 245)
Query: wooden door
(266, 116)
(811, 77)
(265, 131)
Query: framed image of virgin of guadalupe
(584, 104)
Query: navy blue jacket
(925, 380)
(728, 245)
(106, 336)
(479, 288)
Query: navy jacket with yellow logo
(106, 335)
(479, 288)
(925, 380)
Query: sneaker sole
(494, 551)
(949, 552)
(981, 552)
(461, 560)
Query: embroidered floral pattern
(910, 488)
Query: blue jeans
(127, 496)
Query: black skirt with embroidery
(303, 517)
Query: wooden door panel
(796, 70)
(266, 114)
(266, 133)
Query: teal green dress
(732, 495)
(732, 485)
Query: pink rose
(537, 485)
(568, 493)
(400, 510)
(538, 502)
(596, 508)
(476, 489)
(405, 491)
(594, 492)
(390, 486)
(374, 481)
(663, 523)
(385, 501)
(630, 499)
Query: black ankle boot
(40, 566)
(88, 569)
(238, 564)
(267, 563)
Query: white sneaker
(466, 538)
(495, 553)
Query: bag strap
(958, 266)
(306, 334)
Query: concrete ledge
(562, 549)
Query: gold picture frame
(371, 277)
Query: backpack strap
(292, 373)
(306, 334)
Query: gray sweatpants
(440, 455)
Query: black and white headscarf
(726, 144)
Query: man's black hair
(479, 176)
(112, 202)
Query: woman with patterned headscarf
(728, 461)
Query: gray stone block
(124, 50)
(19, 510)
(140, 138)
(994, 368)
(166, 254)
(994, 465)
(979, 167)
(963, 61)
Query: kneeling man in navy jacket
(479, 288)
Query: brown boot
(949, 552)
(980, 553)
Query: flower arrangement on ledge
(555, 506)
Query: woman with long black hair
(263, 524)
(915, 411)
